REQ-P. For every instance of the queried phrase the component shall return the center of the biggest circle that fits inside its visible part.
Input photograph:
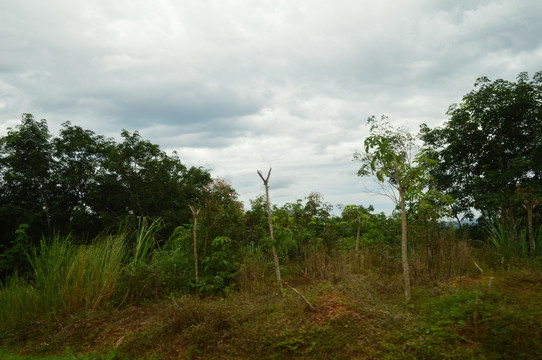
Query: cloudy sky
(239, 85)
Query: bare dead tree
(270, 220)
(195, 212)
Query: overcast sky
(239, 85)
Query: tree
(26, 165)
(388, 155)
(256, 220)
(137, 178)
(221, 212)
(302, 226)
(81, 183)
(358, 214)
(78, 154)
(491, 145)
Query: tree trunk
(401, 187)
(195, 212)
(47, 216)
(530, 208)
(458, 222)
(270, 220)
(404, 253)
(357, 233)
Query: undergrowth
(126, 296)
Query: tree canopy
(82, 183)
(490, 146)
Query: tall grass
(50, 263)
(20, 304)
(142, 278)
(145, 237)
(66, 278)
(93, 274)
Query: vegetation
(118, 251)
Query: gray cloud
(238, 85)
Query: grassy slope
(357, 317)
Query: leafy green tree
(81, 183)
(358, 215)
(221, 213)
(137, 178)
(78, 154)
(26, 165)
(491, 145)
(302, 224)
(256, 226)
(389, 156)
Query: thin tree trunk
(47, 215)
(195, 212)
(404, 253)
(357, 233)
(401, 187)
(530, 208)
(270, 220)
(458, 221)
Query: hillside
(354, 316)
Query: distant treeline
(487, 158)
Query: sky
(237, 86)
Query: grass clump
(66, 278)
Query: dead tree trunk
(195, 212)
(270, 220)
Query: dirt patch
(329, 306)
(469, 282)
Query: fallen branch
(304, 298)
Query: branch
(267, 178)
(388, 190)
(195, 212)
(304, 298)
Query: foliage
(14, 259)
(221, 213)
(507, 241)
(26, 165)
(302, 225)
(388, 156)
(490, 145)
(218, 269)
(82, 183)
